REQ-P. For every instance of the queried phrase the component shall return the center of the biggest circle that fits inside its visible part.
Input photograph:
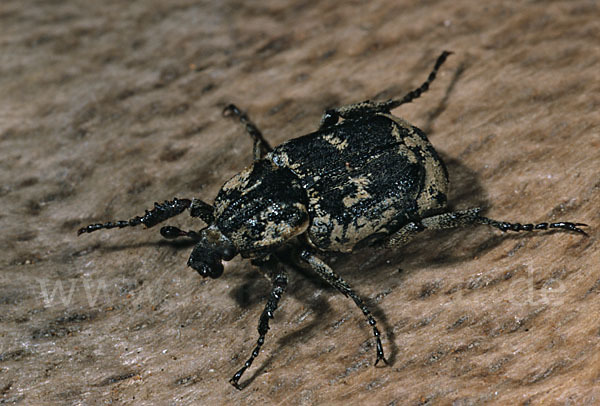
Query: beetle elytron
(371, 178)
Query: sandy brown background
(108, 106)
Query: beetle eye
(206, 262)
(228, 254)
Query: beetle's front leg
(278, 277)
(261, 146)
(325, 272)
(160, 212)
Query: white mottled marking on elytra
(435, 177)
(361, 193)
(336, 141)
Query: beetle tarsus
(234, 380)
(416, 93)
(380, 356)
(279, 283)
(506, 226)
(261, 146)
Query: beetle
(364, 178)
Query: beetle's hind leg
(438, 222)
(471, 217)
(325, 272)
(261, 146)
(160, 213)
(278, 277)
(367, 108)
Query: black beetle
(369, 179)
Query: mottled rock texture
(108, 106)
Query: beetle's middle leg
(368, 108)
(278, 276)
(261, 146)
(325, 272)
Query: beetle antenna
(159, 213)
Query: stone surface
(109, 106)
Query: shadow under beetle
(371, 178)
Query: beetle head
(212, 248)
